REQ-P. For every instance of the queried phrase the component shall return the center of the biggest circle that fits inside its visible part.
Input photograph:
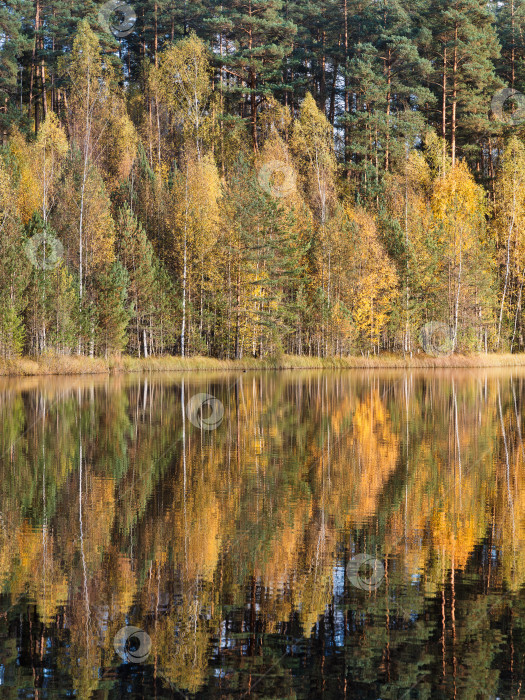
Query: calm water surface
(234, 549)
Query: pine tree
(510, 16)
(112, 316)
(386, 77)
(13, 43)
(135, 253)
(265, 267)
(313, 65)
(257, 38)
(463, 50)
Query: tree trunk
(43, 86)
(444, 110)
(184, 282)
(34, 68)
(347, 95)
(518, 307)
(454, 98)
(253, 106)
(507, 270)
(388, 99)
(456, 306)
(238, 319)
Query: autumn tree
(508, 224)
(459, 207)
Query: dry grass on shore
(74, 364)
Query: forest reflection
(229, 547)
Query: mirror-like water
(235, 551)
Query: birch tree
(509, 227)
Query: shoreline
(79, 365)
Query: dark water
(234, 549)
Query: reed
(74, 364)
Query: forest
(260, 177)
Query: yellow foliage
(374, 450)
(121, 144)
(182, 81)
(375, 284)
(28, 190)
(273, 118)
(312, 143)
(458, 202)
(50, 149)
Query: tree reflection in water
(230, 547)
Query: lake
(305, 534)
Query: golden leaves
(457, 200)
(182, 81)
(375, 284)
